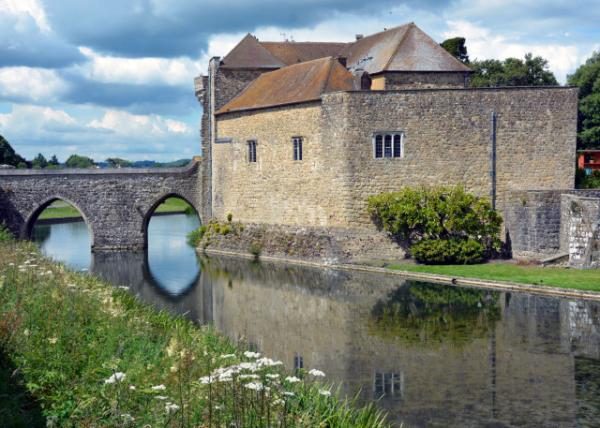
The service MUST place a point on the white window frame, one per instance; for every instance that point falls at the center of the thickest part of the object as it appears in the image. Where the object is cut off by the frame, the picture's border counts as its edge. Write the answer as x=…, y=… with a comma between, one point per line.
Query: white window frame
x=392, y=135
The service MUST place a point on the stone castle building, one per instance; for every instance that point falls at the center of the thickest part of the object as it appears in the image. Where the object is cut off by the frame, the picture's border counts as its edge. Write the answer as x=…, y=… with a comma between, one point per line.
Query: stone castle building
x=299, y=134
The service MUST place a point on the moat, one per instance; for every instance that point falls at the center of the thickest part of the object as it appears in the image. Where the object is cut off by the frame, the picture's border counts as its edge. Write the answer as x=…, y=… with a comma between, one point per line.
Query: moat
x=429, y=354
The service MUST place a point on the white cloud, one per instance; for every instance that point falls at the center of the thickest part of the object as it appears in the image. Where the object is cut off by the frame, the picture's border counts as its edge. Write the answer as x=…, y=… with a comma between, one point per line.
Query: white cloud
x=34, y=84
x=125, y=124
x=24, y=8
x=483, y=44
x=36, y=120
x=136, y=71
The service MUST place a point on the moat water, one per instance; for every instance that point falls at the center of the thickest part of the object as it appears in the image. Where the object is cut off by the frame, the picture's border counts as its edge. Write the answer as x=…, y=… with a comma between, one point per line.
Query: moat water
x=429, y=354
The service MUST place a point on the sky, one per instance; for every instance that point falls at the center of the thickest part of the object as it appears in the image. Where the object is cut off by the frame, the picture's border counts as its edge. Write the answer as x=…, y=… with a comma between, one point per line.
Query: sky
x=114, y=78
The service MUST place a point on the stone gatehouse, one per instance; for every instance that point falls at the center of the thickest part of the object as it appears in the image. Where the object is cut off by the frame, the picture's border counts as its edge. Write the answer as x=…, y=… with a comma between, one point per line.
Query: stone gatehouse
x=299, y=134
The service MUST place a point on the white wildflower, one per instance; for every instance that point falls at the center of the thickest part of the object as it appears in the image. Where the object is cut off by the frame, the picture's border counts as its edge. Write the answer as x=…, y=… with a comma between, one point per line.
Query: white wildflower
x=26, y=332
x=53, y=340
x=171, y=407
x=292, y=379
x=324, y=392
x=268, y=362
x=248, y=366
x=227, y=356
x=256, y=386
x=278, y=402
x=316, y=373
x=161, y=397
x=132, y=387
x=272, y=376
x=116, y=377
x=249, y=354
x=158, y=388
x=288, y=394
x=249, y=376
x=207, y=379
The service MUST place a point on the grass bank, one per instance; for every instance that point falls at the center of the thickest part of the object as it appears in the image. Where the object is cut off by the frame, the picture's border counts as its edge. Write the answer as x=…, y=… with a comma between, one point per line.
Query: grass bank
x=60, y=209
x=588, y=280
x=79, y=352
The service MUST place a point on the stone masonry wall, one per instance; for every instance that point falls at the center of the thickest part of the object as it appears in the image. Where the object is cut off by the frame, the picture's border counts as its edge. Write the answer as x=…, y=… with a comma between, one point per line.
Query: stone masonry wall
x=447, y=141
x=581, y=224
x=415, y=80
x=276, y=189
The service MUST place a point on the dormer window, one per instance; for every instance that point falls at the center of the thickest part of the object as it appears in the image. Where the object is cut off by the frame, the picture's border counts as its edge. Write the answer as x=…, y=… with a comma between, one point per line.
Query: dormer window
x=388, y=145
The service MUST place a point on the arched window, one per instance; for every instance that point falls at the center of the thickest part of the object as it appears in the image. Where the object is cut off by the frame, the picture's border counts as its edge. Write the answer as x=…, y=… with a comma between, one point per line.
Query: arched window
x=251, y=150
x=388, y=145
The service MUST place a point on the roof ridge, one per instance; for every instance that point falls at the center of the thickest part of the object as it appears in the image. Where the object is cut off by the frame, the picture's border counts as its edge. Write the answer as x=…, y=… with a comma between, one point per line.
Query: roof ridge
x=410, y=25
x=297, y=43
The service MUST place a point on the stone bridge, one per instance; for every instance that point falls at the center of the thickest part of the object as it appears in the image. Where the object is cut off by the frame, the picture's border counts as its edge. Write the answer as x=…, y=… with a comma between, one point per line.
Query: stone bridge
x=116, y=204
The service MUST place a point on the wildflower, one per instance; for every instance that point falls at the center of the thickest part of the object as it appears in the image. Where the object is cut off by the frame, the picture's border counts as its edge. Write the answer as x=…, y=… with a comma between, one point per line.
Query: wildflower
x=53, y=340
x=248, y=366
x=292, y=379
x=316, y=373
x=171, y=407
x=256, y=386
x=26, y=332
x=158, y=388
x=207, y=379
x=278, y=402
x=116, y=377
x=132, y=387
x=324, y=392
x=249, y=376
x=161, y=397
x=272, y=376
x=268, y=362
x=288, y=394
x=249, y=354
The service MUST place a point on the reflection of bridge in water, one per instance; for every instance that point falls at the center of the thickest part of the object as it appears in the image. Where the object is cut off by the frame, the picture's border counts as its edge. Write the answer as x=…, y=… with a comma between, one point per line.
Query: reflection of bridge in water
x=523, y=360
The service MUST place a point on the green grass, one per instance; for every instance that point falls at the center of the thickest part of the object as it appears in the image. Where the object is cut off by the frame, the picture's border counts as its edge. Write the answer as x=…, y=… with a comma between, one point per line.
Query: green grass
x=60, y=209
x=64, y=336
x=588, y=280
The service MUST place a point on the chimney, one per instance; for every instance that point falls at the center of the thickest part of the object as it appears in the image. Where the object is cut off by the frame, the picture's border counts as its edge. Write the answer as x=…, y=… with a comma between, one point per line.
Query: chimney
x=342, y=60
x=359, y=36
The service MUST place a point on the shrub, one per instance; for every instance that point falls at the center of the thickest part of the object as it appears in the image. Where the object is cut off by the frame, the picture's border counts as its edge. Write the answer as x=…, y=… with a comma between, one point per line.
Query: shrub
x=229, y=217
x=196, y=235
x=448, y=251
x=255, y=249
x=584, y=181
x=449, y=214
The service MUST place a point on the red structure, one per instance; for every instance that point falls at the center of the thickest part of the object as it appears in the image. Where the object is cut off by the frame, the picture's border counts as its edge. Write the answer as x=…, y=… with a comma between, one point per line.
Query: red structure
x=588, y=160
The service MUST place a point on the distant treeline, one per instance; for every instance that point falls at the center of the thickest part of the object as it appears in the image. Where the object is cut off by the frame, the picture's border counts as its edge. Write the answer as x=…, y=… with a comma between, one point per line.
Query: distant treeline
x=9, y=157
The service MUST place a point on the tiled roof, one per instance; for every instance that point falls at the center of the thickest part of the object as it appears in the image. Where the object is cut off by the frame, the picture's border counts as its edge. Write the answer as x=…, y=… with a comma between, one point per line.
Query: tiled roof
x=403, y=48
x=296, y=83
x=248, y=53
x=295, y=52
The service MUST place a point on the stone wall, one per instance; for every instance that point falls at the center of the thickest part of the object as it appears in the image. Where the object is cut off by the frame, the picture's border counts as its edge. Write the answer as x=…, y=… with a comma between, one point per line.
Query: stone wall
x=447, y=140
x=422, y=80
x=116, y=204
x=581, y=229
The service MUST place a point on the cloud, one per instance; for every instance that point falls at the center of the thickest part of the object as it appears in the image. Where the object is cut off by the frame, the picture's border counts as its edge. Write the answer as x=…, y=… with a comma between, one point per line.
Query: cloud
x=482, y=43
x=27, y=39
x=31, y=84
x=32, y=129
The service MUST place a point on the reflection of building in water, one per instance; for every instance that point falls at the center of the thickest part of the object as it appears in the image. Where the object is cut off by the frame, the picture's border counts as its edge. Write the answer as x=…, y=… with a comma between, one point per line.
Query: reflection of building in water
x=519, y=370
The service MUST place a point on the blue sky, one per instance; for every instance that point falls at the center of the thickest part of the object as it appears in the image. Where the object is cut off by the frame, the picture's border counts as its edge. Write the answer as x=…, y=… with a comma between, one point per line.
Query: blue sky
x=115, y=77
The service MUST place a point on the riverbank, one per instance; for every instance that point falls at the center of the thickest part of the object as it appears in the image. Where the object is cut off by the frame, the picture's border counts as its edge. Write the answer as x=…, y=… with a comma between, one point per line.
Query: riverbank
x=89, y=354
x=558, y=282
x=60, y=210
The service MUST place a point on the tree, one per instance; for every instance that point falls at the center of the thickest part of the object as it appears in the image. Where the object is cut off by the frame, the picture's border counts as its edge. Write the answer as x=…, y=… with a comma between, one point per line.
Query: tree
x=531, y=71
x=587, y=79
x=53, y=161
x=118, y=162
x=39, y=161
x=456, y=46
x=8, y=155
x=76, y=161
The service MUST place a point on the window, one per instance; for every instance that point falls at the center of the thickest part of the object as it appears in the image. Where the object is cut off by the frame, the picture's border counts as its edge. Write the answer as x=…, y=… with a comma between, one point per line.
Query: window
x=298, y=362
x=388, y=384
x=388, y=145
x=252, y=151
x=297, y=142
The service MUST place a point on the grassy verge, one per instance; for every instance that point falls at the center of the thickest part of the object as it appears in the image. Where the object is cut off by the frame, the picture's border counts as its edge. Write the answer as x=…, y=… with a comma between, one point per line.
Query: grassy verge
x=588, y=280
x=63, y=210
x=89, y=354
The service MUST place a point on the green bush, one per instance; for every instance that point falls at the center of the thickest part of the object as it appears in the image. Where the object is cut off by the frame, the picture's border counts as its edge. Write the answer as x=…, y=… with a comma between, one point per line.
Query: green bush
x=448, y=251
x=584, y=181
x=448, y=214
x=255, y=249
x=5, y=235
x=196, y=235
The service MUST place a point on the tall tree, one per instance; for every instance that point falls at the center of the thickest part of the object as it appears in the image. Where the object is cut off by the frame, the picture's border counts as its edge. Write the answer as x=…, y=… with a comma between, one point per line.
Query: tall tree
x=530, y=71
x=39, y=161
x=457, y=47
x=53, y=161
x=587, y=79
x=8, y=156
x=76, y=161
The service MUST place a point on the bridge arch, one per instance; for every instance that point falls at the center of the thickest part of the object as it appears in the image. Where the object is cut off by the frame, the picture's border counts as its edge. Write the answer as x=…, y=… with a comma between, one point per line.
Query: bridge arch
x=27, y=228
x=150, y=211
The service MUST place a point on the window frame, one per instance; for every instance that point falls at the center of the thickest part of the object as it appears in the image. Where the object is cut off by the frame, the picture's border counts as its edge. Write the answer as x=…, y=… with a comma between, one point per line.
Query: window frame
x=380, y=141
x=297, y=143
x=251, y=144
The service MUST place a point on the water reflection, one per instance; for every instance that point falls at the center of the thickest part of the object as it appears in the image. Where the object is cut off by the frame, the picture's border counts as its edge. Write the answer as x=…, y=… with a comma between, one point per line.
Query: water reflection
x=432, y=355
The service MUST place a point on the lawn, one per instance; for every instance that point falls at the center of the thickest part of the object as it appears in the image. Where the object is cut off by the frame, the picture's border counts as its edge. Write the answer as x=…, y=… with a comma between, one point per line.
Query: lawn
x=588, y=280
x=61, y=209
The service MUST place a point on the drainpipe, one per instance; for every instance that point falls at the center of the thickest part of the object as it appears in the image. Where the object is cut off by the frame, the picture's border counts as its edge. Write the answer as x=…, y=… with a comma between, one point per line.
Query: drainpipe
x=493, y=160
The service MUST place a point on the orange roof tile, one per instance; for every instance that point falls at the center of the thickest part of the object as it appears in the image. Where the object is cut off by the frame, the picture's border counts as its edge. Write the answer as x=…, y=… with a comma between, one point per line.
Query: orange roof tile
x=296, y=83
